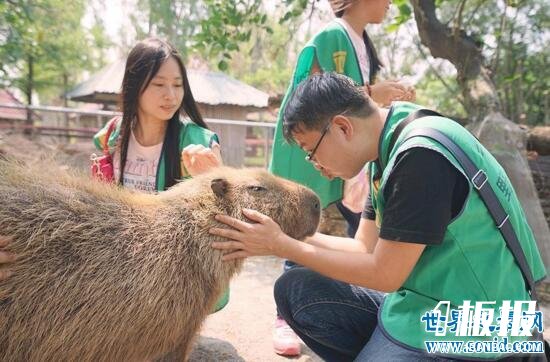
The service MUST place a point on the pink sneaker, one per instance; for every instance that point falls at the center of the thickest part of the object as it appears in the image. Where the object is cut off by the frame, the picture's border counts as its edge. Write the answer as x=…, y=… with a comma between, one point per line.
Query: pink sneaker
x=285, y=341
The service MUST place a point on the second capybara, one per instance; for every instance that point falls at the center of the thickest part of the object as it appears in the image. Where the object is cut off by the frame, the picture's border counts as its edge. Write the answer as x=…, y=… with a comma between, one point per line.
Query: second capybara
x=105, y=274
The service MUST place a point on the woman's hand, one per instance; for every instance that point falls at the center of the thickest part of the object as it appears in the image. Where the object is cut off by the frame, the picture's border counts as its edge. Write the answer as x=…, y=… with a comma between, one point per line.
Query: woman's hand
x=5, y=258
x=410, y=95
x=386, y=92
x=197, y=159
x=264, y=237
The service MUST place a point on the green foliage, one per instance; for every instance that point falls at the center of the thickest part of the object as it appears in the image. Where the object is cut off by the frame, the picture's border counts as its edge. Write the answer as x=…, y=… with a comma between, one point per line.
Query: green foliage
x=253, y=42
x=178, y=21
x=228, y=25
x=263, y=60
x=295, y=8
x=404, y=15
x=433, y=93
x=513, y=37
x=43, y=45
x=235, y=36
x=216, y=29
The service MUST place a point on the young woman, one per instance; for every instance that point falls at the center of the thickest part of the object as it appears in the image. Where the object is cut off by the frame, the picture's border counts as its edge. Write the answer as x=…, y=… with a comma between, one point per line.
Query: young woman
x=161, y=136
x=343, y=46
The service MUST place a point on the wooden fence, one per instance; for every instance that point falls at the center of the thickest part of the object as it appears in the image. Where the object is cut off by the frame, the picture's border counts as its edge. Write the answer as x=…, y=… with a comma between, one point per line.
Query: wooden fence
x=244, y=143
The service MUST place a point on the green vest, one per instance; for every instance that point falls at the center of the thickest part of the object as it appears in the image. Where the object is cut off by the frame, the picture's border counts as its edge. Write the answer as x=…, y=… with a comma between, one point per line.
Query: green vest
x=333, y=51
x=473, y=262
x=190, y=133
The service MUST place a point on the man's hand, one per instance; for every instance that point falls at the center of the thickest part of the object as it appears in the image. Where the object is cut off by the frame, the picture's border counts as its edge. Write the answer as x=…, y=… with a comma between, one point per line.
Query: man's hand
x=264, y=237
x=5, y=258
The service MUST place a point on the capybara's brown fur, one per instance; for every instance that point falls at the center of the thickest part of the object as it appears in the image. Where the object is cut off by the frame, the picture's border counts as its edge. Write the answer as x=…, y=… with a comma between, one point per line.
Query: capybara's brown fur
x=104, y=274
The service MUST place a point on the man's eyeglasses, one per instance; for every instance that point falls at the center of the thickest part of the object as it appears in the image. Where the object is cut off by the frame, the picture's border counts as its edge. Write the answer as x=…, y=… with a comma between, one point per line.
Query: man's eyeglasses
x=309, y=156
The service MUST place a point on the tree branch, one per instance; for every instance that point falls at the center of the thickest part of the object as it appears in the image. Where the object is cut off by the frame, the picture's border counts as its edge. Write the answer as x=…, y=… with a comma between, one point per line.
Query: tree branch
x=463, y=52
x=474, y=12
x=310, y=17
x=436, y=72
x=458, y=22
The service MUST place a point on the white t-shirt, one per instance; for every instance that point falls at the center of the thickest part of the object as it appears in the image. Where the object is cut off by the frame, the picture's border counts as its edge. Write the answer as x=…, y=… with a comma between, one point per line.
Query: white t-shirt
x=140, y=171
x=360, y=49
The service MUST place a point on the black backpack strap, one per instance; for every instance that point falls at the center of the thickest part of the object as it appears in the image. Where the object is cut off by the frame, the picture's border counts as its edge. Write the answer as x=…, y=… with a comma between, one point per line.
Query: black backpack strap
x=479, y=179
x=404, y=123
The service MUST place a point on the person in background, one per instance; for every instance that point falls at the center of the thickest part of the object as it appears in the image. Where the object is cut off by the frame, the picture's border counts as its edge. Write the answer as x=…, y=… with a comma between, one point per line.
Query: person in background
x=343, y=46
x=161, y=136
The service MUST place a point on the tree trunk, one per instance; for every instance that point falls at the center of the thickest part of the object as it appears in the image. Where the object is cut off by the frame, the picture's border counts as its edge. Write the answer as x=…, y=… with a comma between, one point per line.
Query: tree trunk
x=463, y=52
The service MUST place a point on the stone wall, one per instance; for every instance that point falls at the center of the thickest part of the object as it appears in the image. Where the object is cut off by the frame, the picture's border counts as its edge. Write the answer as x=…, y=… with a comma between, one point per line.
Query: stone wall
x=540, y=168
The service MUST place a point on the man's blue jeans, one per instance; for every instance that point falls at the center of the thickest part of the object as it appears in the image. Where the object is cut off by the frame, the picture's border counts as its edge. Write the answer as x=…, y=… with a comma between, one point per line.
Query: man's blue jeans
x=338, y=321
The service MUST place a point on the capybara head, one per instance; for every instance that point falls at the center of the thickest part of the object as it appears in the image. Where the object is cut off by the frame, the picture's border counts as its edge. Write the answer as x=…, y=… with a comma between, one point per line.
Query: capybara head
x=294, y=207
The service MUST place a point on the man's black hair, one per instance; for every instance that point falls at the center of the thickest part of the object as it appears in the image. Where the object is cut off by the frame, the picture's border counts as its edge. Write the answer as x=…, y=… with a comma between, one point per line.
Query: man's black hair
x=319, y=98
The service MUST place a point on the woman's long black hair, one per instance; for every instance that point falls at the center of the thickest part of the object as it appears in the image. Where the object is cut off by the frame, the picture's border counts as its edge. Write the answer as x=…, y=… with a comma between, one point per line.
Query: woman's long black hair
x=142, y=65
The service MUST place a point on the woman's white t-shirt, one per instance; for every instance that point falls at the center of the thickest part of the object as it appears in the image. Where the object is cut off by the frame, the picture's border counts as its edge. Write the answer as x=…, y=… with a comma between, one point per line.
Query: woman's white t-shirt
x=360, y=49
x=140, y=171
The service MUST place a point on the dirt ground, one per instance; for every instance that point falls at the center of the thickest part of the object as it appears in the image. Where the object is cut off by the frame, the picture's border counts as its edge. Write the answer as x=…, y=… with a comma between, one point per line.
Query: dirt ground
x=242, y=330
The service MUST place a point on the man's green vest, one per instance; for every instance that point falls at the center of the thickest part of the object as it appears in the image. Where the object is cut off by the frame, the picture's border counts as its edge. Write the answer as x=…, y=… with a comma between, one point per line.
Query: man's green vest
x=190, y=133
x=473, y=262
x=334, y=52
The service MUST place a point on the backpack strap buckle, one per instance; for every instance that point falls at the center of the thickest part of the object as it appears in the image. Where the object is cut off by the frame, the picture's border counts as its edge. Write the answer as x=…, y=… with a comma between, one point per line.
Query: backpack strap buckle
x=479, y=179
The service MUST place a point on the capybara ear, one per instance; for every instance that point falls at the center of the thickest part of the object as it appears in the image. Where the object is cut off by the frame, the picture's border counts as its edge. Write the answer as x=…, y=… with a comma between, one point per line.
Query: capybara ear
x=219, y=186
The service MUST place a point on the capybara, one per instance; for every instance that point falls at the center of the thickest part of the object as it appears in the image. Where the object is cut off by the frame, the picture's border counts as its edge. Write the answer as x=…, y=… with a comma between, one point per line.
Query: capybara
x=105, y=274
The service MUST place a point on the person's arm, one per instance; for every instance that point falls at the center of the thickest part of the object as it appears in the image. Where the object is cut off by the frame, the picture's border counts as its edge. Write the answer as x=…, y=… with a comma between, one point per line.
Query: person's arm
x=386, y=269
x=364, y=241
x=5, y=258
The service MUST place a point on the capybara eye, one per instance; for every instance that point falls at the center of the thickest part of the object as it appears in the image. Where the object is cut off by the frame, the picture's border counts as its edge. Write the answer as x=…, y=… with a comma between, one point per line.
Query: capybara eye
x=257, y=188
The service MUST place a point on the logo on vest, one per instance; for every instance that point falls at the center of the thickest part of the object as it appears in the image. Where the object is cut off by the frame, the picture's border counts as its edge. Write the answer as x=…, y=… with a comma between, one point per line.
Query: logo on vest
x=504, y=187
x=514, y=319
x=339, y=59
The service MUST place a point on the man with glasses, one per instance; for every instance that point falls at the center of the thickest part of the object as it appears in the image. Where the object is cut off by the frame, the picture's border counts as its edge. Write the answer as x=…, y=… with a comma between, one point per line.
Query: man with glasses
x=426, y=235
